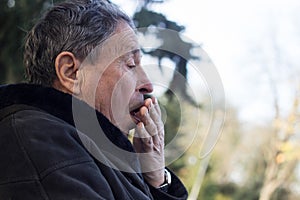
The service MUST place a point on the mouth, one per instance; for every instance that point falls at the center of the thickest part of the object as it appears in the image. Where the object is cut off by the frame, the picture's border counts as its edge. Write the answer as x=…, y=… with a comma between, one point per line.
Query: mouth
x=134, y=115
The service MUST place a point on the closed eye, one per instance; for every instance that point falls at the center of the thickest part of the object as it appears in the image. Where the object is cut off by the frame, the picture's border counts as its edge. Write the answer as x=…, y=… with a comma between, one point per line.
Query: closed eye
x=132, y=59
x=131, y=66
x=130, y=63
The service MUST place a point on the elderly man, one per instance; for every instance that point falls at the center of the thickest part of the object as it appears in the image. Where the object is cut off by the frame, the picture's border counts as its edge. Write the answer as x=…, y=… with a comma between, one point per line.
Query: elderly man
x=80, y=57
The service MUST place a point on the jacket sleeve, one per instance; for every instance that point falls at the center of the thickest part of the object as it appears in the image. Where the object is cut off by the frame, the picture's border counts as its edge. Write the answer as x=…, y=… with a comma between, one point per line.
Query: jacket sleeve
x=176, y=191
x=72, y=182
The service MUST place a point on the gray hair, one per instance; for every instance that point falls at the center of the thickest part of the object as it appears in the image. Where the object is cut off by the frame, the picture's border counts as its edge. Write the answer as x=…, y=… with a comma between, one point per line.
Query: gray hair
x=76, y=26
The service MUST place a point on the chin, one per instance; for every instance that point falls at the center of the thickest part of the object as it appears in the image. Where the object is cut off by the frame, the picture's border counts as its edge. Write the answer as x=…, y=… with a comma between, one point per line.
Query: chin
x=127, y=126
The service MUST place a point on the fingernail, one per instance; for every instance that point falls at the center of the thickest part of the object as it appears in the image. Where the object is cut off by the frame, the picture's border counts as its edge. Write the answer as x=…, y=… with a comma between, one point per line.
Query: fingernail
x=141, y=125
x=148, y=101
x=150, y=105
x=144, y=111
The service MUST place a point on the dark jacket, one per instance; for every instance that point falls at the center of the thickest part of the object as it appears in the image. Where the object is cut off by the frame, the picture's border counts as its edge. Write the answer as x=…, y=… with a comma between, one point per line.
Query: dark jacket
x=42, y=155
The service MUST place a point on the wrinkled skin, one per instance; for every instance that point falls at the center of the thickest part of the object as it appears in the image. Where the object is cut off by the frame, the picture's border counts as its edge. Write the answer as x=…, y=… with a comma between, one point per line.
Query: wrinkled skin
x=115, y=85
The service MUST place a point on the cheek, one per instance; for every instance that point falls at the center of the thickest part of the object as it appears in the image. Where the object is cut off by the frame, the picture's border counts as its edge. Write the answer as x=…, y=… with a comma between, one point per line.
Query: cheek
x=87, y=87
x=97, y=89
x=103, y=97
x=122, y=93
x=121, y=96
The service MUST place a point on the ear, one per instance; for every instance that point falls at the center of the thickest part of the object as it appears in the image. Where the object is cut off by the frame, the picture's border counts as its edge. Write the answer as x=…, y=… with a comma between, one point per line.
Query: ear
x=66, y=66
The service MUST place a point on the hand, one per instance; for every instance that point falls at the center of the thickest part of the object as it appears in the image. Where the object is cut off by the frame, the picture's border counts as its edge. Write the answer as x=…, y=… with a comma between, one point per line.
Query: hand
x=149, y=142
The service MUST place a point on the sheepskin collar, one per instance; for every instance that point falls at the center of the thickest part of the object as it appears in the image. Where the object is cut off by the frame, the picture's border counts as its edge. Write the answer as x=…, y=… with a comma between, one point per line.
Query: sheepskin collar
x=58, y=104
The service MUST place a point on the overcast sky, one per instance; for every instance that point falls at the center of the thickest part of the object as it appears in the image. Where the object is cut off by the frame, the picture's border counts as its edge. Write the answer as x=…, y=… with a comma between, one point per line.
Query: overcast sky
x=239, y=36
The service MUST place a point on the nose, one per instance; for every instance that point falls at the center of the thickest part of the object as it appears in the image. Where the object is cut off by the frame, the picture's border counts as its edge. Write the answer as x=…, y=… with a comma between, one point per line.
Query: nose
x=146, y=88
x=144, y=85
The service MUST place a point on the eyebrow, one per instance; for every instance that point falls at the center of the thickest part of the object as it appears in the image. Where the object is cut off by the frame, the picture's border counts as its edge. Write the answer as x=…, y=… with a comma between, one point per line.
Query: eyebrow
x=136, y=51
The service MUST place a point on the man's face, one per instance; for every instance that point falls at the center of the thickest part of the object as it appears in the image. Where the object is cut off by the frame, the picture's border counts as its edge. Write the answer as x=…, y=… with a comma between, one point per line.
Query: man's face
x=115, y=83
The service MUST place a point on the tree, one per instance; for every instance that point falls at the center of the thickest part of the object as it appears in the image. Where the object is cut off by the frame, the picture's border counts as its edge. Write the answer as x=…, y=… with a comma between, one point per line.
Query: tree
x=169, y=33
x=16, y=18
x=280, y=153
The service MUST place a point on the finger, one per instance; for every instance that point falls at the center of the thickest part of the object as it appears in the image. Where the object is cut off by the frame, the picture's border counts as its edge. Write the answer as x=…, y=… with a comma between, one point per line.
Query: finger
x=156, y=105
x=147, y=102
x=149, y=120
x=137, y=144
x=145, y=137
x=153, y=101
x=159, y=125
x=155, y=116
x=152, y=128
x=146, y=118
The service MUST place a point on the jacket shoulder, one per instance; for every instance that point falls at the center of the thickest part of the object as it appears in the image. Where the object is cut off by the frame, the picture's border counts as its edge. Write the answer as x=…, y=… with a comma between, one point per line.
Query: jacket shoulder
x=39, y=153
x=49, y=142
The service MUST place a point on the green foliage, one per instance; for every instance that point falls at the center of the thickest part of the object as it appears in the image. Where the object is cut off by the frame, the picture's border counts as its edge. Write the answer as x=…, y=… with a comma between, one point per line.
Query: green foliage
x=16, y=18
x=212, y=190
x=281, y=193
x=248, y=192
x=172, y=115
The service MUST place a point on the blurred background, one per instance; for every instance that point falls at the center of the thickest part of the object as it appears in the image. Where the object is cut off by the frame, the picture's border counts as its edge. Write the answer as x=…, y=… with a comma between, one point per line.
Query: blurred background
x=255, y=47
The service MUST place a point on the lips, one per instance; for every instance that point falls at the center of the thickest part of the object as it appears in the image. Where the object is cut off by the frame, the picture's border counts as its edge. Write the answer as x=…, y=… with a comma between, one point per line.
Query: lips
x=134, y=112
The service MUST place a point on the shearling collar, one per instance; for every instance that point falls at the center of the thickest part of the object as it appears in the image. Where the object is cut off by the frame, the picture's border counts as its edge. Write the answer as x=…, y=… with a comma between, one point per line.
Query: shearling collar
x=58, y=104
